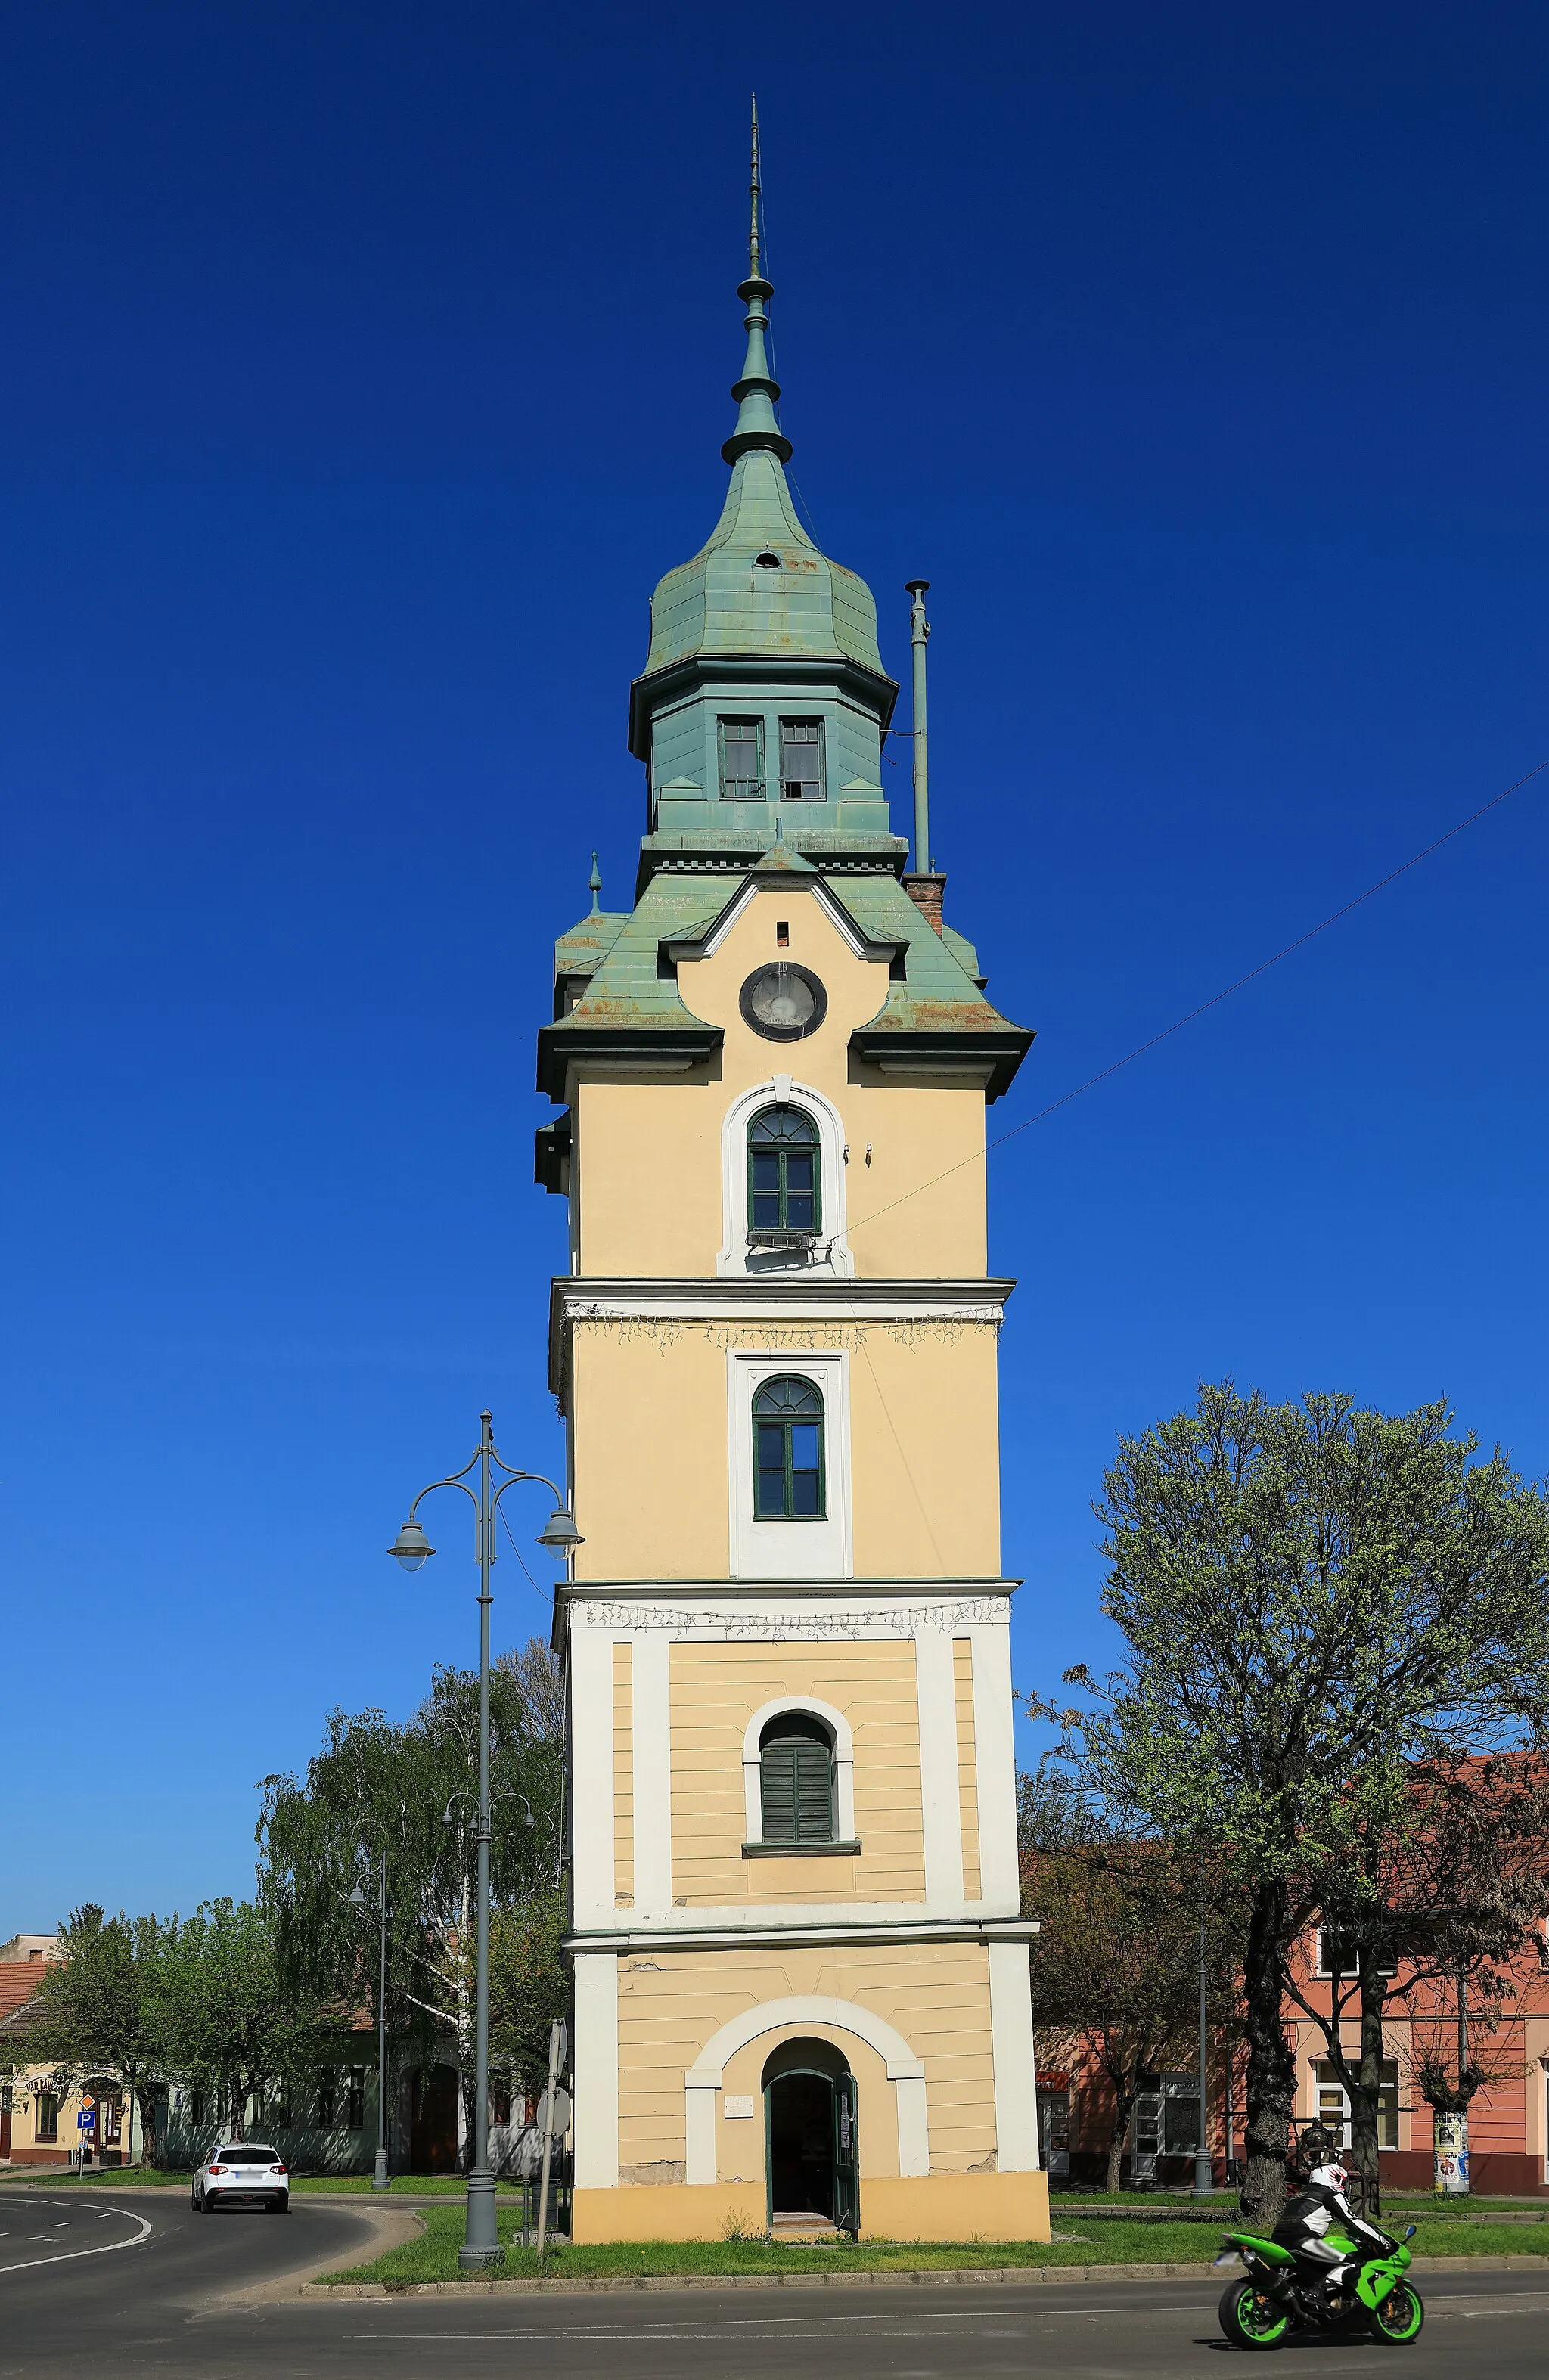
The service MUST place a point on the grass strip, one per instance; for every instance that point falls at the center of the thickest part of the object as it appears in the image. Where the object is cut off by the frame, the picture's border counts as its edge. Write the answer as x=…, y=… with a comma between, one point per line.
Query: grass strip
x=433, y=2254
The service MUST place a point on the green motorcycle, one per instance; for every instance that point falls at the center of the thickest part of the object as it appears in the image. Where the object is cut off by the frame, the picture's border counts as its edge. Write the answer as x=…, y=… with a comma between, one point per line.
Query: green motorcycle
x=1279, y=2296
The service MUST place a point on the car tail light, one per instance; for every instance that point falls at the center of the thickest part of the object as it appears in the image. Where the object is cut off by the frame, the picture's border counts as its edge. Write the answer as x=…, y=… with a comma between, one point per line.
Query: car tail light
x=217, y=2168
x=279, y=2168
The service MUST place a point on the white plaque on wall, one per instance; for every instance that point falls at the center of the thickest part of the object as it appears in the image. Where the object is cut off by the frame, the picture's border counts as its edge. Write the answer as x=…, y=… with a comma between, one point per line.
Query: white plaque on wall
x=736, y=2106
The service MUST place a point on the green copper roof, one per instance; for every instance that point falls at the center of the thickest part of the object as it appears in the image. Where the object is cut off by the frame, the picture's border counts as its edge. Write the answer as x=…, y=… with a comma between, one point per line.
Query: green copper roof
x=759, y=586
x=727, y=602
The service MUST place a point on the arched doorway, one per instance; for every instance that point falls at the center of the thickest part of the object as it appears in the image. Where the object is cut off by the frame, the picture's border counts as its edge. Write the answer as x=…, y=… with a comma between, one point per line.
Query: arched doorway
x=811, y=2158
x=432, y=2143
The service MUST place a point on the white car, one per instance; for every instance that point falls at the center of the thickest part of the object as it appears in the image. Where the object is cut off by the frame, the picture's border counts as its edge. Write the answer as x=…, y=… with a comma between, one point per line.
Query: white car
x=244, y=2174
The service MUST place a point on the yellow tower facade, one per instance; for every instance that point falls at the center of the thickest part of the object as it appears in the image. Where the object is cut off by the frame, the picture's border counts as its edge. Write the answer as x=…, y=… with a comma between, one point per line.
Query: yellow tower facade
x=800, y=1970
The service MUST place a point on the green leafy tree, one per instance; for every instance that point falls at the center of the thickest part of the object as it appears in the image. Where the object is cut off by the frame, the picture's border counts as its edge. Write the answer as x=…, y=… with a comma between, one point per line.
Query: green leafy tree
x=529, y=1982
x=408, y=1790
x=227, y=2015
x=97, y=2010
x=1313, y=1598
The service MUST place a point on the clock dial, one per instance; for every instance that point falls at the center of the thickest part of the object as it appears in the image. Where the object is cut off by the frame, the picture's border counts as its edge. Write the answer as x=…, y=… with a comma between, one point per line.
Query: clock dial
x=784, y=1002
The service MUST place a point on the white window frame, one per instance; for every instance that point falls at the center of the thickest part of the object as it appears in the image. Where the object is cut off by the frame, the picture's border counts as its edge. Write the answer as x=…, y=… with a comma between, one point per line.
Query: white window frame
x=736, y=1256
x=844, y=1763
x=788, y=1548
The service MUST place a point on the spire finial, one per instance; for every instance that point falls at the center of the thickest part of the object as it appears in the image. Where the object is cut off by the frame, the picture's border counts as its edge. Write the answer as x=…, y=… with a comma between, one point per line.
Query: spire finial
x=758, y=391
x=594, y=885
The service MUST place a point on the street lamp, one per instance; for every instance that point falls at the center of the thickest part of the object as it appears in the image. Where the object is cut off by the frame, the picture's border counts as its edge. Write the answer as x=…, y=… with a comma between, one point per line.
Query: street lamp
x=409, y=1548
x=360, y=1899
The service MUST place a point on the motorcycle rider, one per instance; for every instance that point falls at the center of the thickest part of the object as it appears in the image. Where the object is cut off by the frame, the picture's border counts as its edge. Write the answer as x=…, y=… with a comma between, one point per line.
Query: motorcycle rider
x=1318, y=2208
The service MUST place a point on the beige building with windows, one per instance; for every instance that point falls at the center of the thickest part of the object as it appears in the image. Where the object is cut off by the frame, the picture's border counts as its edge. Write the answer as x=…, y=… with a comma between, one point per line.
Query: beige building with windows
x=800, y=1970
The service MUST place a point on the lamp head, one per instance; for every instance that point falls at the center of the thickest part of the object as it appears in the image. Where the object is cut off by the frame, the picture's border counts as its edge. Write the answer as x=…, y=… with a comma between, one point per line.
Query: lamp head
x=559, y=1534
x=409, y=1549
x=359, y=1898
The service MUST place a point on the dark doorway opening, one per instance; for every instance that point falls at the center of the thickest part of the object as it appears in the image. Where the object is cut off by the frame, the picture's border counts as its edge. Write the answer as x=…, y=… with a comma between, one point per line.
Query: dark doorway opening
x=432, y=2143
x=809, y=2097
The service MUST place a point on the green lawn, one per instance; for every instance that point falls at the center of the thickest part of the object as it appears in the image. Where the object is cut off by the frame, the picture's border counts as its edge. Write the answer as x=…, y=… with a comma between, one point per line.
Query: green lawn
x=132, y=2176
x=433, y=2255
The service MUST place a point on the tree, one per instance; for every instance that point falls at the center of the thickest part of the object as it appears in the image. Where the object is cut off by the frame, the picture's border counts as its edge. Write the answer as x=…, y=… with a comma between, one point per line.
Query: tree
x=97, y=2008
x=226, y=2014
x=529, y=1982
x=1116, y=1964
x=1313, y=1599
x=409, y=1791
x=1437, y=1897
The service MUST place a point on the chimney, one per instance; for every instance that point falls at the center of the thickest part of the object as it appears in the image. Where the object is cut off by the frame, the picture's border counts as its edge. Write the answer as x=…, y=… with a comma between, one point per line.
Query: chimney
x=926, y=893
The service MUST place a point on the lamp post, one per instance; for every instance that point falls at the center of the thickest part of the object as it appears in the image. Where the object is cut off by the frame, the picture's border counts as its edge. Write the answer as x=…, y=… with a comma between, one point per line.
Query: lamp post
x=361, y=1899
x=410, y=1550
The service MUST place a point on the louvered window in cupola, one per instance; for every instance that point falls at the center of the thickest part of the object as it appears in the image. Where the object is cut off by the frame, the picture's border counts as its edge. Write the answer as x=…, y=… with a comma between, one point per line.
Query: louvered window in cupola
x=796, y=1780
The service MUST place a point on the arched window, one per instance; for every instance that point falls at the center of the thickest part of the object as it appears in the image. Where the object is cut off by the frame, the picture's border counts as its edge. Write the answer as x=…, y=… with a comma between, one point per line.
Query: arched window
x=796, y=1780
x=783, y=1194
x=787, y=1451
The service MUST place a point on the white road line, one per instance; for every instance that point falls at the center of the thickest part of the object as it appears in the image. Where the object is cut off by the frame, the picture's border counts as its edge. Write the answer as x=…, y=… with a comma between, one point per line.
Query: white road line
x=107, y=2248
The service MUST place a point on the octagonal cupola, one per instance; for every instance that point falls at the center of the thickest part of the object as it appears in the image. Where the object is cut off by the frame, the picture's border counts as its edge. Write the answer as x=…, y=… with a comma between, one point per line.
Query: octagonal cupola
x=764, y=700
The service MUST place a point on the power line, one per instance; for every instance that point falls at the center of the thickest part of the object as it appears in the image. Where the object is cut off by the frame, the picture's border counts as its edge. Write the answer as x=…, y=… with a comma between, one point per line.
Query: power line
x=1214, y=1001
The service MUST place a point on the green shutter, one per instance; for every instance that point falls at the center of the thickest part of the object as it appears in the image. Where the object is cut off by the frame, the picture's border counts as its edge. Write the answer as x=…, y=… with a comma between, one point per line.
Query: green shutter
x=778, y=1780
x=815, y=1793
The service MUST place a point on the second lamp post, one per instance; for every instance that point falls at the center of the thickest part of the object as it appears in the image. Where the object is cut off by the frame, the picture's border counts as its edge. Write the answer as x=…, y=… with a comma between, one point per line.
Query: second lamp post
x=560, y=1535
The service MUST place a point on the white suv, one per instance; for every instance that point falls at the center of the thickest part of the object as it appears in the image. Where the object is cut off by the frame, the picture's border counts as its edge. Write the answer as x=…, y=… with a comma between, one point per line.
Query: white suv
x=245, y=2174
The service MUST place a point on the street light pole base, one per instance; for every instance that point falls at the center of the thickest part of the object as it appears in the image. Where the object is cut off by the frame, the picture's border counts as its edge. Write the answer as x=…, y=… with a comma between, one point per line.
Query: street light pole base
x=380, y=2178
x=481, y=2247
x=1205, y=2179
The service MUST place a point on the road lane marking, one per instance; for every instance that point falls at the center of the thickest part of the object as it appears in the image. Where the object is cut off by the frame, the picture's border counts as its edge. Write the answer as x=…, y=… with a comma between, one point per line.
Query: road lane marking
x=107, y=2248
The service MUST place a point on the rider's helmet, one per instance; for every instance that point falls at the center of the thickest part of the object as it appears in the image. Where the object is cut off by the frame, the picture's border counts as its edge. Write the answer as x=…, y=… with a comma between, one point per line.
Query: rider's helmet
x=1314, y=2147
x=1333, y=2175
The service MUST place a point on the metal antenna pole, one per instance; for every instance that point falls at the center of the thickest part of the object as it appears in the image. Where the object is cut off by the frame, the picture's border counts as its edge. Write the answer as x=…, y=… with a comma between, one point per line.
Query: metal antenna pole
x=920, y=629
x=482, y=2239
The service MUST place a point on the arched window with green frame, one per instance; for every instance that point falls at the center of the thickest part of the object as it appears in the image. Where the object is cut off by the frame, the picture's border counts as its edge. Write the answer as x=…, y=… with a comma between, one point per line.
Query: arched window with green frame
x=796, y=1780
x=784, y=1188
x=787, y=1451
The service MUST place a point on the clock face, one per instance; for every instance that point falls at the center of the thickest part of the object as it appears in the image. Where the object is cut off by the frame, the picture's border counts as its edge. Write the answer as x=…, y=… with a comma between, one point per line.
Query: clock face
x=784, y=1002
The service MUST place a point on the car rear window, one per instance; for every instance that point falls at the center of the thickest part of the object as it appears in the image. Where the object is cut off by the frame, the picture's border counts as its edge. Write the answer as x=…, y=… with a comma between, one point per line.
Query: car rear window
x=248, y=2156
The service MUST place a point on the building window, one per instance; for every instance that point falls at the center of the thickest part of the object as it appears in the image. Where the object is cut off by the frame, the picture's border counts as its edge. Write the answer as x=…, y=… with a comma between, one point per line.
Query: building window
x=801, y=760
x=110, y=2120
x=796, y=1780
x=1333, y=2108
x=355, y=2121
x=45, y=2116
x=783, y=1189
x=787, y=1451
x=1340, y=1958
x=326, y=2095
x=742, y=759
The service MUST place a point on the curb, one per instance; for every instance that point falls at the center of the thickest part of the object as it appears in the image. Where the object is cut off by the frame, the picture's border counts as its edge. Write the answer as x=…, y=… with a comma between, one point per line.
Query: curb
x=1000, y=2275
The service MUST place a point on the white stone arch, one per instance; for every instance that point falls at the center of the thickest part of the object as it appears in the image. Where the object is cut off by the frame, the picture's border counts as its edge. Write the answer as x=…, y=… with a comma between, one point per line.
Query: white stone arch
x=701, y=2084
x=782, y=1090
x=844, y=1763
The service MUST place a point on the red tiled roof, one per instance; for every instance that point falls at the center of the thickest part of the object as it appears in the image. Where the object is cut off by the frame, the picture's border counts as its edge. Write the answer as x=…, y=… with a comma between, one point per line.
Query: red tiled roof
x=19, y=1980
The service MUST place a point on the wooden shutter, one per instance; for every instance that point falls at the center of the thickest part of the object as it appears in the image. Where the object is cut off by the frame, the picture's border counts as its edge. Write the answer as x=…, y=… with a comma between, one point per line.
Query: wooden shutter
x=778, y=1780
x=815, y=1793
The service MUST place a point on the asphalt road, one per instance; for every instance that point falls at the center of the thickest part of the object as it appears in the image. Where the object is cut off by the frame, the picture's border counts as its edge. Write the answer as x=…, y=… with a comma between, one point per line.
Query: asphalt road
x=82, y=2289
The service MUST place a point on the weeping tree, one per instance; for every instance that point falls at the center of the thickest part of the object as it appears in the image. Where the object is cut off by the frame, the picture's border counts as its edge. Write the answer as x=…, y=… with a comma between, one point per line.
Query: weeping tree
x=408, y=1791
x=1314, y=1600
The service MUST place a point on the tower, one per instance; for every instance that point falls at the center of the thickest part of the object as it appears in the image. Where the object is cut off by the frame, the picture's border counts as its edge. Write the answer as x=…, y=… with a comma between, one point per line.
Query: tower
x=801, y=1974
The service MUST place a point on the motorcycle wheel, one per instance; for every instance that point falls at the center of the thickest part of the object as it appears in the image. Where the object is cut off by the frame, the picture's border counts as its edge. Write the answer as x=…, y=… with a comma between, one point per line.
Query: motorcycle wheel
x=1252, y=2321
x=1400, y=2318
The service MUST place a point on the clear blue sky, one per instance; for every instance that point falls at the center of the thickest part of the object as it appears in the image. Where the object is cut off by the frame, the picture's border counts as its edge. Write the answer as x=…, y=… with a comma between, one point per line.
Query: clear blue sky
x=365, y=367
